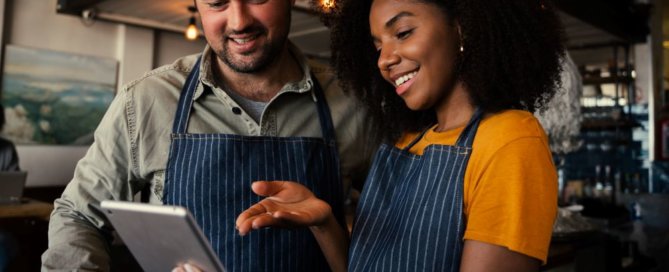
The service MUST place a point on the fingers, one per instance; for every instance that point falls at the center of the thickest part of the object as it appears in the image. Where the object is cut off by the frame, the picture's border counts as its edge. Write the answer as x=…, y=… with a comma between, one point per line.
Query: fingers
x=252, y=220
x=265, y=220
x=245, y=219
x=257, y=222
x=281, y=191
x=247, y=225
x=186, y=268
x=279, y=195
x=267, y=188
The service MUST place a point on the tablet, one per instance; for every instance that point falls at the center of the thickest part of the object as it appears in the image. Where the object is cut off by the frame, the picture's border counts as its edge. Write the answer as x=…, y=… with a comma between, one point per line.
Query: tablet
x=161, y=237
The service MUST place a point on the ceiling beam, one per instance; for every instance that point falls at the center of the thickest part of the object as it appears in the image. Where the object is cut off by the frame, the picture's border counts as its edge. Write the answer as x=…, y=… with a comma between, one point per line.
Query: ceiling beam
x=141, y=22
x=621, y=18
x=75, y=7
x=307, y=6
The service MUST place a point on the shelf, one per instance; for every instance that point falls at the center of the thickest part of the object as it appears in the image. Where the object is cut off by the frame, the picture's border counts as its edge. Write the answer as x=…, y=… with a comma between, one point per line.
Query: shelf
x=608, y=124
x=607, y=80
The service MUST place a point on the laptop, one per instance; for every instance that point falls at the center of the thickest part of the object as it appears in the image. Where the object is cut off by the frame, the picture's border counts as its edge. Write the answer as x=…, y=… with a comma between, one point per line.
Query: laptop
x=11, y=187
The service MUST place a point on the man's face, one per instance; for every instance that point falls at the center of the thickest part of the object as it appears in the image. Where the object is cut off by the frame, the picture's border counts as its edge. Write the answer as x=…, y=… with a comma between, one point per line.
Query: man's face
x=247, y=35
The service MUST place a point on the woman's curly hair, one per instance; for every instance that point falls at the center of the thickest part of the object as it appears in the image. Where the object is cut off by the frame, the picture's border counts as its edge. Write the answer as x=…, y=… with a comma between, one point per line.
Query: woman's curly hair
x=511, y=59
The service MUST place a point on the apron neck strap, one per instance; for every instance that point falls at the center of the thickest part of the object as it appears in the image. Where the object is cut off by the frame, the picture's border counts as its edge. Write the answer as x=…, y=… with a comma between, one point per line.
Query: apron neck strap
x=466, y=138
x=417, y=139
x=186, y=99
x=327, y=127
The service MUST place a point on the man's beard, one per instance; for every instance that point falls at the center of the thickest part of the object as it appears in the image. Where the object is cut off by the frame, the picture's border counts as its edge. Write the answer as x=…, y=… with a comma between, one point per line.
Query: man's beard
x=269, y=52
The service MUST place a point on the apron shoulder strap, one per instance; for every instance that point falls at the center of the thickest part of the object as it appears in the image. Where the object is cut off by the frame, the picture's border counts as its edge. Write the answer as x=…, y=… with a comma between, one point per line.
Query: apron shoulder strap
x=186, y=99
x=324, y=116
x=417, y=139
x=466, y=138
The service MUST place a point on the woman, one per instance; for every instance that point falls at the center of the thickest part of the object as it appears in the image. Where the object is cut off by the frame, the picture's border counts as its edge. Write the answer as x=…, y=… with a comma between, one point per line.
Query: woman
x=469, y=183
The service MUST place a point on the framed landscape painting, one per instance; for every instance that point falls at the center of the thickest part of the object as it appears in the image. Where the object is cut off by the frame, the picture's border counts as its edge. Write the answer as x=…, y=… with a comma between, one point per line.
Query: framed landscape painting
x=55, y=98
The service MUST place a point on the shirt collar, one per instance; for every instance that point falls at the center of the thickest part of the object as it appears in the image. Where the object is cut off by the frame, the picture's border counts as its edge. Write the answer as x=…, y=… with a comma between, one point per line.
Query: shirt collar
x=302, y=86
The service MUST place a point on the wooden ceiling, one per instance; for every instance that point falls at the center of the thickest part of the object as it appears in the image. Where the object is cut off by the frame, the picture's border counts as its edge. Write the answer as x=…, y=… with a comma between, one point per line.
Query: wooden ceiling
x=587, y=23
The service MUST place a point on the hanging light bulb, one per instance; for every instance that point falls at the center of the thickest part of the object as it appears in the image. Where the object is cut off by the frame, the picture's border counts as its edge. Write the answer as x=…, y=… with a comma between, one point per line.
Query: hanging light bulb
x=191, y=31
x=327, y=5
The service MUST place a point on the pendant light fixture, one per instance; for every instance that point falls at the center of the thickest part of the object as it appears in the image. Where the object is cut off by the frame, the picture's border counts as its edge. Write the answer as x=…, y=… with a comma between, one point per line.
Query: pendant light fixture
x=191, y=31
x=327, y=5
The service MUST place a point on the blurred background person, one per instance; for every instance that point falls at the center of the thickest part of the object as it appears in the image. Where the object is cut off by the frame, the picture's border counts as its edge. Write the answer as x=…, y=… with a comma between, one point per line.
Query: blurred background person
x=9, y=160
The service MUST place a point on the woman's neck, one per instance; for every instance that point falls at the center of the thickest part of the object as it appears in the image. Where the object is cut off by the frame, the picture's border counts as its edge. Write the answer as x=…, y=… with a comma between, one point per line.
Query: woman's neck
x=455, y=110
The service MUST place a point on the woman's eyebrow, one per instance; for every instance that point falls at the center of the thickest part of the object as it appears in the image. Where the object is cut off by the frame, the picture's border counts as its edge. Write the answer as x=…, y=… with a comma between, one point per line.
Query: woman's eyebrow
x=395, y=18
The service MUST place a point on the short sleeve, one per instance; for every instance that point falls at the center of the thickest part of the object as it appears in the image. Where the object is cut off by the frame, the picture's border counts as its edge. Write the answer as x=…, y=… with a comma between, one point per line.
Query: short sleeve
x=512, y=199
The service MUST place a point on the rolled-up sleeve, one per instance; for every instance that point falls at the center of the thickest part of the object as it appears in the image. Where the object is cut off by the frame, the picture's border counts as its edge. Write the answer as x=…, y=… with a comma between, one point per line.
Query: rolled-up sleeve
x=77, y=239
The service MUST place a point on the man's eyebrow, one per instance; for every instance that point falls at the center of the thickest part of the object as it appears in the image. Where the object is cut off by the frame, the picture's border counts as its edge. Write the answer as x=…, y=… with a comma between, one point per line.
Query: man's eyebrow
x=395, y=18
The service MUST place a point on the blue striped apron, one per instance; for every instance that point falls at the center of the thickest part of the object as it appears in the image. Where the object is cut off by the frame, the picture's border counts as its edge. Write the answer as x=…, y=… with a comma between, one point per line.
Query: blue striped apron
x=410, y=217
x=211, y=175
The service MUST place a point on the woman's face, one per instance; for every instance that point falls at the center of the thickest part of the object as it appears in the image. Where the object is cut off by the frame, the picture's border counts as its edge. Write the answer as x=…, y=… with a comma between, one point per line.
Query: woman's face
x=417, y=50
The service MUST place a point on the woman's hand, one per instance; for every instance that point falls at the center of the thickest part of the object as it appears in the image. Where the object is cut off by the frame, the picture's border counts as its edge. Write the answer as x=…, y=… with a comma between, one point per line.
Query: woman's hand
x=287, y=204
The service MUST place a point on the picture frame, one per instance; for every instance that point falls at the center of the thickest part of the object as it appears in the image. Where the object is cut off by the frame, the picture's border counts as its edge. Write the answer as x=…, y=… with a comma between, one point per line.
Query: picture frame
x=55, y=98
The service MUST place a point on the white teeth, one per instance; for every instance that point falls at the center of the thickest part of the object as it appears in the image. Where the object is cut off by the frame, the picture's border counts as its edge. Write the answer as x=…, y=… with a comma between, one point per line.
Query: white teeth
x=405, y=78
x=241, y=41
x=244, y=40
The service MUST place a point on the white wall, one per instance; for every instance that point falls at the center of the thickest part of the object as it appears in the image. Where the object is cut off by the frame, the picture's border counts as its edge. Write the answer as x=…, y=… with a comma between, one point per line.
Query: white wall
x=2, y=27
x=134, y=50
x=167, y=54
x=34, y=23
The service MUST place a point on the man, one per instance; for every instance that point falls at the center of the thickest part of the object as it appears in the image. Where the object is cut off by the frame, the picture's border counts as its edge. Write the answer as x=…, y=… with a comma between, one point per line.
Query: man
x=199, y=131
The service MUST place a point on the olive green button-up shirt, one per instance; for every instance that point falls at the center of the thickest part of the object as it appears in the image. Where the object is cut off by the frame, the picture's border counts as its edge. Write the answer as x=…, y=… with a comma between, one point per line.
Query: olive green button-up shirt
x=132, y=143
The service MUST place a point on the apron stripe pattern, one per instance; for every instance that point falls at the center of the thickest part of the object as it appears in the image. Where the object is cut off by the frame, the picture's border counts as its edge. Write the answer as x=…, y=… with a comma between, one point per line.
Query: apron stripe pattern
x=211, y=175
x=410, y=217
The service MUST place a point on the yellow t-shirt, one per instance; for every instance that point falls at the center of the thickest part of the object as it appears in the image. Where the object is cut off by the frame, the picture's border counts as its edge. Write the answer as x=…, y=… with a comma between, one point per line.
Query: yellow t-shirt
x=510, y=184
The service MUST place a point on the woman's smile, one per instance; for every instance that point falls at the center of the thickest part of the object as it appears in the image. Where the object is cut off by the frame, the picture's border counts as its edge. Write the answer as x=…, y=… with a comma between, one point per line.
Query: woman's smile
x=402, y=83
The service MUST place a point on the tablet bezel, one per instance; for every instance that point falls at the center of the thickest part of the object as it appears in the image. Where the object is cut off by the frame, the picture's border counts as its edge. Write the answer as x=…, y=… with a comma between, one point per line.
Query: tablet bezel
x=161, y=237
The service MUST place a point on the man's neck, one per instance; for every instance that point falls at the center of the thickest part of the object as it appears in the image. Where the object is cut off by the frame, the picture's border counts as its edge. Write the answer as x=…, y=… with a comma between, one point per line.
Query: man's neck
x=264, y=85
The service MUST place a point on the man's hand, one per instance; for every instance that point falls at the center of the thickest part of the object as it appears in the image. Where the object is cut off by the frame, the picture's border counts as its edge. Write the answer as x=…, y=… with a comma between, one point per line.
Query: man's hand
x=187, y=268
x=287, y=204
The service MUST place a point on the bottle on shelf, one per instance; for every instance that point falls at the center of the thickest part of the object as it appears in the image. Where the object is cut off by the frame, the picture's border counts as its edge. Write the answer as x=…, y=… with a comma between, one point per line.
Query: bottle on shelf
x=608, y=184
x=636, y=183
x=598, y=190
x=617, y=186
